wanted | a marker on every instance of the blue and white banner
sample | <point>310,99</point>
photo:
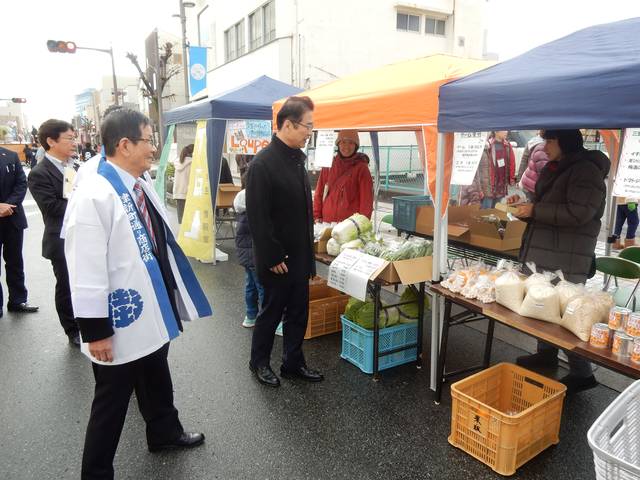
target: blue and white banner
<point>197,70</point>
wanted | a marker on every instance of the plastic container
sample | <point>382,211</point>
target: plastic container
<point>357,345</point>
<point>505,415</point>
<point>615,435</point>
<point>405,210</point>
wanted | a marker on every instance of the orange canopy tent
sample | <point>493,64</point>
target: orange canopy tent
<point>398,97</point>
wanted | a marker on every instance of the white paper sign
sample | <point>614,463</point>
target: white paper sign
<point>325,144</point>
<point>351,270</point>
<point>627,182</point>
<point>467,152</point>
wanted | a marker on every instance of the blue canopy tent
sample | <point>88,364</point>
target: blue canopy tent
<point>588,79</point>
<point>251,101</point>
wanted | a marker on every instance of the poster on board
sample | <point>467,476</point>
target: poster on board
<point>325,144</point>
<point>467,152</point>
<point>247,137</point>
<point>627,182</point>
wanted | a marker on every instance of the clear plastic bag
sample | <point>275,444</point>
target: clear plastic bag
<point>510,288</point>
<point>567,291</point>
<point>581,314</point>
<point>541,302</point>
<point>536,277</point>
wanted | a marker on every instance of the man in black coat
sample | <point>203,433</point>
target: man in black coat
<point>281,221</point>
<point>13,187</point>
<point>46,185</point>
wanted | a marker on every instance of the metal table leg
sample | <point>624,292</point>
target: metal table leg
<point>443,351</point>
<point>376,329</point>
<point>420,324</point>
<point>488,343</point>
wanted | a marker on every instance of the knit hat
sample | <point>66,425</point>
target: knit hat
<point>348,135</point>
<point>568,140</point>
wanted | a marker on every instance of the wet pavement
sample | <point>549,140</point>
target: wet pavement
<point>347,427</point>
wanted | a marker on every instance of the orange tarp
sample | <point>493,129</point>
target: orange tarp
<point>396,97</point>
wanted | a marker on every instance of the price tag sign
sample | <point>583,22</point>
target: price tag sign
<point>467,152</point>
<point>351,270</point>
<point>325,143</point>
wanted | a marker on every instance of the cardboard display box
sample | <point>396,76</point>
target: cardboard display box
<point>486,235</point>
<point>226,194</point>
<point>406,272</point>
<point>458,218</point>
<point>320,246</point>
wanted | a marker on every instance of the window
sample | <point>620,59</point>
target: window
<point>234,41</point>
<point>434,26</point>
<point>262,25</point>
<point>408,22</point>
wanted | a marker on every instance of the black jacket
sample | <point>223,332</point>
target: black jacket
<point>45,185</point>
<point>244,245</point>
<point>280,213</point>
<point>13,188</point>
<point>569,203</point>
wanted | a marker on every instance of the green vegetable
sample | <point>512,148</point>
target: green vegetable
<point>333,247</point>
<point>409,312</point>
<point>351,310</point>
<point>364,317</point>
<point>353,244</point>
<point>351,228</point>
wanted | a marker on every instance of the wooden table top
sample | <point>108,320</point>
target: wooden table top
<point>546,331</point>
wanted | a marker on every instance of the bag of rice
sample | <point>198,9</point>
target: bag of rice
<point>510,289</point>
<point>580,315</point>
<point>536,277</point>
<point>541,302</point>
<point>604,302</point>
<point>566,291</point>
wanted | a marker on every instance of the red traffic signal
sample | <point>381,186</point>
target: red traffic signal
<point>61,46</point>
<point>19,100</point>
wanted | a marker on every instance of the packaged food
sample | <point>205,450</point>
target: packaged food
<point>622,344</point>
<point>618,317</point>
<point>535,277</point>
<point>541,302</point>
<point>599,335</point>
<point>486,288</point>
<point>635,352</point>
<point>510,289</point>
<point>604,301</point>
<point>580,316</point>
<point>633,325</point>
<point>566,291</point>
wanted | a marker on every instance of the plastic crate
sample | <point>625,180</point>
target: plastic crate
<point>357,345</point>
<point>326,306</point>
<point>404,211</point>
<point>615,437</point>
<point>505,415</point>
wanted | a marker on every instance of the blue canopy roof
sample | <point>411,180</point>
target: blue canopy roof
<point>251,101</point>
<point>589,79</point>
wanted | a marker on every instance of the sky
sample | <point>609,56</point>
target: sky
<point>49,81</point>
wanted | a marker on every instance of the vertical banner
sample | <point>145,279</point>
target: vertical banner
<point>196,237</point>
<point>197,70</point>
<point>247,137</point>
<point>159,181</point>
<point>627,182</point>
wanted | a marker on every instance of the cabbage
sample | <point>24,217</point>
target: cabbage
<point>393,316</point>
<point>351,310</point>
<point>364,317</point>
<point>333,248</point>
<point>351,228</point>
<point>409,312</point>
<point>353,244</point>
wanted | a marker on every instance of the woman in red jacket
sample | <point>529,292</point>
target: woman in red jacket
<point>345,188</point>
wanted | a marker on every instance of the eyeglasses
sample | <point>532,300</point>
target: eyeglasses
<point>68,139</point>
<point>149,141</point>
<point>308,126</point>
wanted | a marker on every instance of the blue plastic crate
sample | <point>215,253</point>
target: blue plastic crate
<point>405,210</point>
<point>357,345</point>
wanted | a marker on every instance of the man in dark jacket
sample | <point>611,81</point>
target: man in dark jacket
<point>281,223</point>
<point>46,182</point>
<point>563,227</point>
<point>13,187</point>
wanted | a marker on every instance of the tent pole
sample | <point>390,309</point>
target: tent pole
<point>439,252</point>
<point>611,210</point>
<point>375,148</point>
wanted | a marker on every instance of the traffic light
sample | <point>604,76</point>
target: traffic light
<point>61,46</point>
<point>19,100</point>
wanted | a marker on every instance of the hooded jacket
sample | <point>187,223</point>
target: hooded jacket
<point>349,189</point>
<point>537,160</point>
<point>569,202</point>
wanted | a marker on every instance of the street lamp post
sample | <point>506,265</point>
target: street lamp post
<point>113,68</point>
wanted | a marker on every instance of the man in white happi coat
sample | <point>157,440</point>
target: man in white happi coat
<point>131,287</point>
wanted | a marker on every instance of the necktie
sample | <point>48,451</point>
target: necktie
<point>144,212</point>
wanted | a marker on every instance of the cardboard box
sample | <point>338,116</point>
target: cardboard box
<point>320,245</point>
<point>226,194</point>
<point>458,219</point>
<point>486,235</point>
<point>406,272</point>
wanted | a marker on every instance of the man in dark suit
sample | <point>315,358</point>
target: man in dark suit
<point>281,222</point>
<point>46,185</point>
<point>13,187</point>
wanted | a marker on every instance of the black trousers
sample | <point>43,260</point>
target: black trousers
<point>180,203</point>
<point>64,307</point>
<point>289,303</point>
<point>11,247</point>
<point>151,379</point>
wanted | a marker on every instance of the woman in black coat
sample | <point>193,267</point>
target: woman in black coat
<point>563,227</point>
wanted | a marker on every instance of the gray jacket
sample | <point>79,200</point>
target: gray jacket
<point>569,203</point>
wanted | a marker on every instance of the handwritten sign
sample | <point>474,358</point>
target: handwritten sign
<point>351,270</point>
<point>467,152</point>
<point>325,144</point>
<point>627,182</point>
<point>248,136</point>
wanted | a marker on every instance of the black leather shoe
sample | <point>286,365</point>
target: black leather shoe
<point>578,384</point>
<point>74,340</point>
<point>540,360</point>
<point>303,373</point>
<point>186,440</point>
<point>22,307</point>
<point>265,376</point>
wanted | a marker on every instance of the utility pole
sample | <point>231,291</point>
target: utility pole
<point>185,63</point>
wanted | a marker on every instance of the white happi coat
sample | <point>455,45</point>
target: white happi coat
<point>113,273</point>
